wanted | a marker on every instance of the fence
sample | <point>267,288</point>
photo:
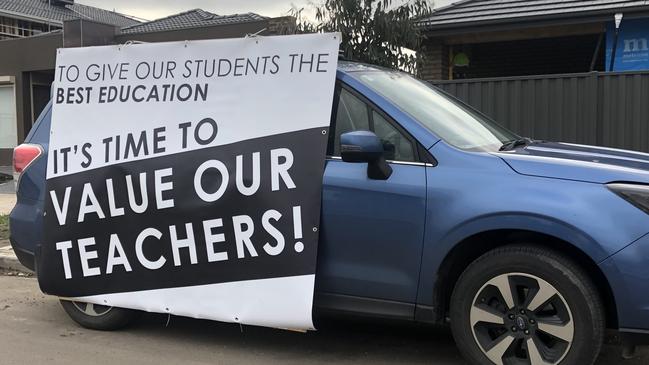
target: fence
<point>607,109</point>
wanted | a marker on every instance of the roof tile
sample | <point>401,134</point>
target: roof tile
<point>44,11</point>
<point>191,19</point>
<point>473,11</point>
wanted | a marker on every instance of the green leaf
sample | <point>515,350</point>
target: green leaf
<point>373,31</point>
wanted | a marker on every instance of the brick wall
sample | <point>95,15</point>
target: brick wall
<point>434,65</point>
<point>281,25</point>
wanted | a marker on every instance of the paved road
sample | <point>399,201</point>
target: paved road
<point>35,330</point>
<point>6,186</point>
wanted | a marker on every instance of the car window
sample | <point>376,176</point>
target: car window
<point>453,121</point>
<point>40,132</point>
<point>397,147</point>
<point>351,116</point>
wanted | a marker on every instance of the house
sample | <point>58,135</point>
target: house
<point>497,38</point>
<point>21,19</point>
<point>560,70</point>
<point>26,18</point>
<point>27,60</point>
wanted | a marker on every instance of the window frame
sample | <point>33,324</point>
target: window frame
<point>421,156</point>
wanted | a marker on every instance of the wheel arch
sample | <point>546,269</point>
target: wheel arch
<point>472,247</point>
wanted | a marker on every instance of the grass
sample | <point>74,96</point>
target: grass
<point>4,227</point>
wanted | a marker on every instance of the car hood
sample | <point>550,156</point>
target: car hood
<point>578,162</point>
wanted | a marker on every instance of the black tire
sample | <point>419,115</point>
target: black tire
<point>574,313</point>
<point>98,317</point>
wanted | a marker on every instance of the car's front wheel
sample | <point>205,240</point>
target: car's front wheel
<point>98,317</point>
<point>527,305</point>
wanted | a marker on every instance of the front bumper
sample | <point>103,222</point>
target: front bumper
<point>628,275</point>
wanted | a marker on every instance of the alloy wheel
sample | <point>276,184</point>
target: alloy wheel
<point>519,318</point>
<point>93,310</point>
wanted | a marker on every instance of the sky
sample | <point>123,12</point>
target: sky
<point>154,9</point>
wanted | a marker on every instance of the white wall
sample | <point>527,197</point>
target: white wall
<point>8,133</point>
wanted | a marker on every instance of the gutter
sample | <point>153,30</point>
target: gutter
<point>460,27</point>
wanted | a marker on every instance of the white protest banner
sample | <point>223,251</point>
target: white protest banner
<point>186,177</point>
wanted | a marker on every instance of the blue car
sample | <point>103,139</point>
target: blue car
<point>433,213</point>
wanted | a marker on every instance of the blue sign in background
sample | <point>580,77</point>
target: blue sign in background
<point>632,45</point>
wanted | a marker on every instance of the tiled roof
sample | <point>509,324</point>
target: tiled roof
<point>103,16</point>
<point>500,11</point>
<point>191,19</point>
<point>42,10</point>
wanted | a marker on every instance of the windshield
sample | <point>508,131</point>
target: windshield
<point>449,119</point>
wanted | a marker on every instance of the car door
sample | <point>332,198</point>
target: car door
<point>372,230</point>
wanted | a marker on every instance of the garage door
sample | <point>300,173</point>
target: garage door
<point>7,117</point>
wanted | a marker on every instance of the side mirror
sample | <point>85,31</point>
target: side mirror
<point>365,146</point>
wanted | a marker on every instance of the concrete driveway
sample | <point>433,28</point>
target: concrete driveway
<point>7,191</point>
<point>35,330</point>
<point>7,202</point>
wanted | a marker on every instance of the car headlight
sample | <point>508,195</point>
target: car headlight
<point>635,194</point>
